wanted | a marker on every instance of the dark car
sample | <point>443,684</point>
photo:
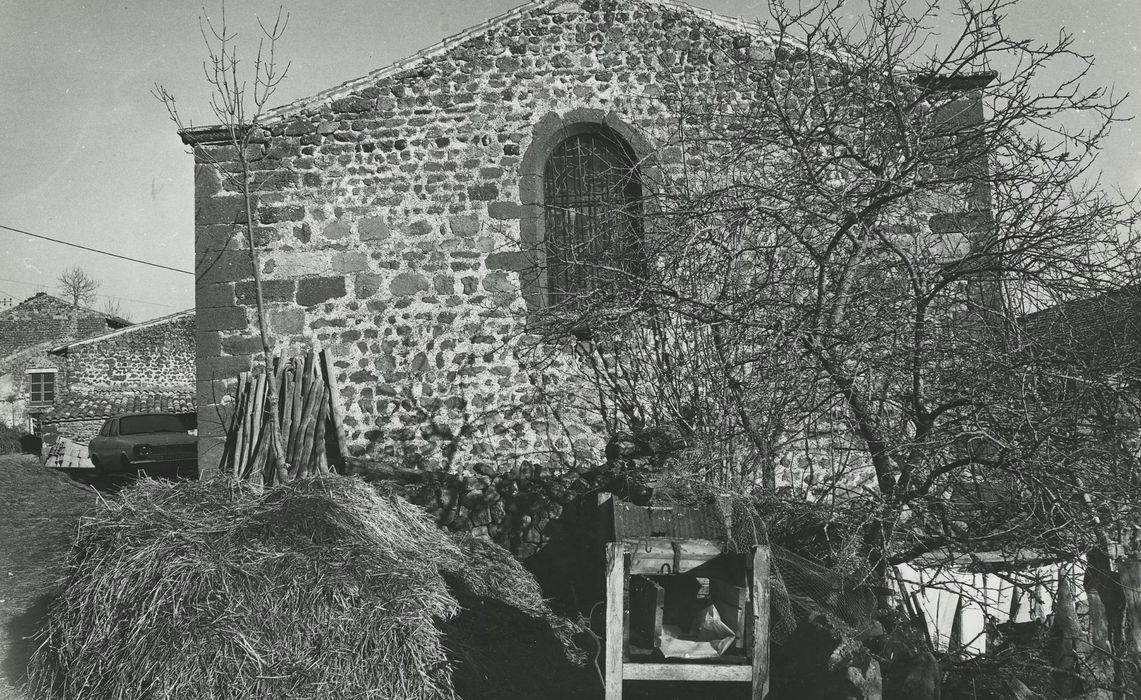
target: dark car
<point>140,441</point>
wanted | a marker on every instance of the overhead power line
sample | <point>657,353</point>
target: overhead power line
<point>105,296</point>
<point>96,250</point>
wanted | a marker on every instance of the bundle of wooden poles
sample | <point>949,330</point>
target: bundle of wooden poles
<point>309,415</point>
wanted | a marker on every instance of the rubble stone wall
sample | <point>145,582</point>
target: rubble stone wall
<point>15,403</point>
<point>160,354</point>
<point>398,218</point>
<point>394,221</point>
<point>80,431</point>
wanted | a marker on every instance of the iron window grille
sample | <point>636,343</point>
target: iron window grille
<point>592,216</point>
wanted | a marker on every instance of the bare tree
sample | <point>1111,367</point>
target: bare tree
<point>77,285</point>
<point>113,307</point>
<point>843,286</point>
<point>238,106</point>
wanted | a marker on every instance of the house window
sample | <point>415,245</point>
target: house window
<point>592,215</point>
<point>41,386</point>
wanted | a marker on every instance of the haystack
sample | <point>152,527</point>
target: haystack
<point>321,589</point>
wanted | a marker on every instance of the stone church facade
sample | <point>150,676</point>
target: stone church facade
<point>404,217</point>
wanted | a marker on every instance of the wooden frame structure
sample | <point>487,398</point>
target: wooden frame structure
<point>619,668</point>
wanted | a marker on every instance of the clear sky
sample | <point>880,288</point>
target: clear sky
<point>88,156</point>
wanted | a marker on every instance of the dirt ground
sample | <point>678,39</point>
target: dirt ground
<point>39,512</point>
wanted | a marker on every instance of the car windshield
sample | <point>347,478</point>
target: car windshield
<point>155,423</point>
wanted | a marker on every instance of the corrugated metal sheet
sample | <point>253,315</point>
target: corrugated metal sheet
<point>672,522</point>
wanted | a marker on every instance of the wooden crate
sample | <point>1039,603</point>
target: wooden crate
<point>647,608</point>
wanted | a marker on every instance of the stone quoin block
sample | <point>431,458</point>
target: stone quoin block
<point>223,367</point>
<point>245,293</point>
<point>208,344</point>
<point>208,295</point>
<point>222,319</point>
<point>224,266</point>
<point>219,209</point>
<point>315,290</point>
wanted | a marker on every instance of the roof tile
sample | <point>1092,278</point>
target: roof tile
<point>103,403</point>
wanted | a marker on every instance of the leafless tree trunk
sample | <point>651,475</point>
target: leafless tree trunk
<point>241,113</point>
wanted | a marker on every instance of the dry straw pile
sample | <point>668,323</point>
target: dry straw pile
<point>324,588</point>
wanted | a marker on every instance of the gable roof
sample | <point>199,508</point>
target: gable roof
<point>42,318</point>
<point>56,301</point>
<point>62,349</point>
<point>1103,330</point>
<point>408,64</point>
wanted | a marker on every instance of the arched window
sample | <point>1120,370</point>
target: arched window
<point>592,215</point>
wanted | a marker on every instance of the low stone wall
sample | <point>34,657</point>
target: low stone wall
<point>514,508</point>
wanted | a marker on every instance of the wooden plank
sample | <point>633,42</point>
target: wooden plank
<point>759,584</point>
<point>647,603</point>
<point>615,580</point>
<point>687,672</point>
<point>656,555</point>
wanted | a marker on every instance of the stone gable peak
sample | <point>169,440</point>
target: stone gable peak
<point>535,8</point>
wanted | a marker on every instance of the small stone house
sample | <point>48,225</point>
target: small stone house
<point>145,367</point>
<point>410,222</point>
<point>30,376</point>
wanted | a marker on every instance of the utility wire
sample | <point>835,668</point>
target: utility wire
<point>105,296</point>
<point>96,250</point>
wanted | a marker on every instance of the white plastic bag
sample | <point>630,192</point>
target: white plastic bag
<point>708,637</point>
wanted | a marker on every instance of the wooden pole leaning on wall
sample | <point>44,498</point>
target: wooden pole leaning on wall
<point>759,584</point>
<point>237,437</point>
<point>308,409</point>
<point>337,413</point>
<point>295,398</point>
